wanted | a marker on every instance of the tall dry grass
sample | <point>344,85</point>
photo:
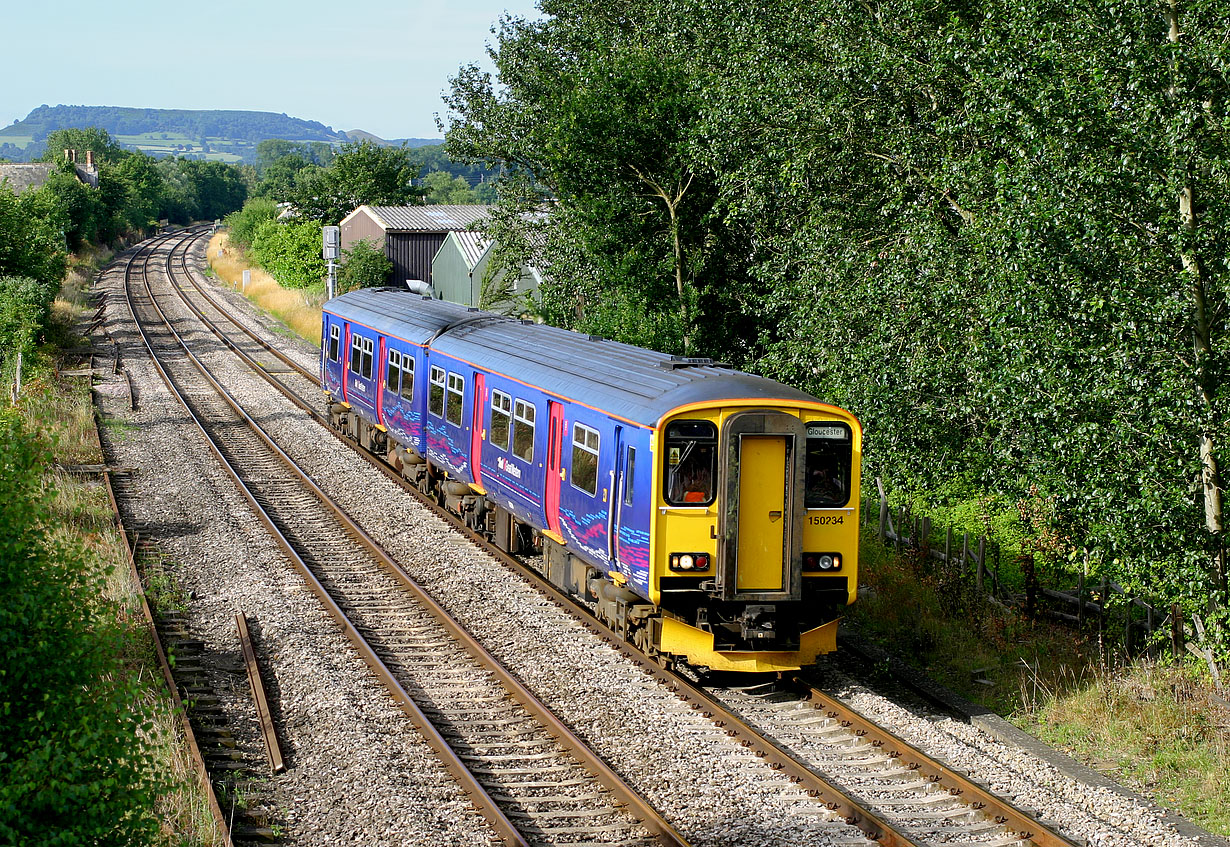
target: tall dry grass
<point>299,311</point>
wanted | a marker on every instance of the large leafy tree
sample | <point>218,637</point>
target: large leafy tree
<point>95,139</point>
<point>361,173</point>
<point>999,234</point>
<point>601,106</point>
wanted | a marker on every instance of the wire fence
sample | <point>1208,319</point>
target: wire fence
<point>1117,615</point>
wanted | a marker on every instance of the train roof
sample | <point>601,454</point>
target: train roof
<point>628,382</point>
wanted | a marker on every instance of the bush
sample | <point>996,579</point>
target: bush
<point>245,223</point>
<point>74,768</point>
<point>364,266</point>
<point>291,252</point>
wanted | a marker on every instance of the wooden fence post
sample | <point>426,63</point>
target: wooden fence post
<point>982,557</point>
<point>1176,630</point>
<point>1080,599</point>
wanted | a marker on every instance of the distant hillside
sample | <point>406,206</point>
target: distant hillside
<point>220,135</point>
<point>118,120</point>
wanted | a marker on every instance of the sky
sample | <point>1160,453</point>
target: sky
<point>381,66</point>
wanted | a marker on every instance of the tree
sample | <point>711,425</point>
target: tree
<point>361,173</point>
<point>364,265</point>
<point>998,235</point>
<point>602,107</point>
<point>99,141</point>
<point>31,243</point>
<point>443,188</point>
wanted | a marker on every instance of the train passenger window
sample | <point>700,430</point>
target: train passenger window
<point>435,402</point>
<point>501,419</point>
<point>829,456</point>
<point>456,398</point>
<point>691,463</point>
<point>361,355</point>
<point>523,430</point>
<point>407,376</point>
<point>335,343</point>
<point>585,458</point>
<point>629,476</point>
<point>392,377</point>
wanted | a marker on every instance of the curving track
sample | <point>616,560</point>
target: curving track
<point>527,773</point>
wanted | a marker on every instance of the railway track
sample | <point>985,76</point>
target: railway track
<point>533,780</point>
<point>894,793</point>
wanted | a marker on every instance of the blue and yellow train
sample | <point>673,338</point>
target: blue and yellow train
<point>710,515</point>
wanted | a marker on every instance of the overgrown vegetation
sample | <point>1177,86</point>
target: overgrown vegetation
<point>300,310</point>
<point>998,235</point>
<point>1159,727</point>
<point>91,752</point>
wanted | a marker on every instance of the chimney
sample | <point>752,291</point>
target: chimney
<point>68,155</point>
<point>89,158</point>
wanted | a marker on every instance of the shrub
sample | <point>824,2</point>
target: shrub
<point>364,266</point>
<point>291,252</point>
<point>74,768</point>
<point>245,223</point>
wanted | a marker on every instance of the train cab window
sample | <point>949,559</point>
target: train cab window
<point>456,399</point>
<point>335,343</point>
<point>691,463</point>
<point>361,355</point>
<point>407,376</point>
<point>630,476</point>
<point>392,376</point>
<point>585,459</point>
<point>501,419</point>
<point>435,400</point>
<point>829,455</point>
<point>523,430</point>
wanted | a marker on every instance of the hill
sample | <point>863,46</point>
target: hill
<point>221,135</point>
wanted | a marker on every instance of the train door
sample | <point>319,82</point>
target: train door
<point>477,431</point>
<point>555,470</point>
<point>762,513</point>
<point>378,375</point>
<point>615,504</point>
<point>346,366</point>
<point>761,523</point>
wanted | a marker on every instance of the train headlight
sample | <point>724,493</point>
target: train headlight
<point>822,562</point>
<point>687,562</point>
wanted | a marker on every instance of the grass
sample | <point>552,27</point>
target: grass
<point>299,311</point>
<point>1159,728</point>
<point>61,408</point>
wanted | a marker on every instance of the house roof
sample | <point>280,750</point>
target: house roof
<point>22,176</point>
<point>422,218</point>
<point>26,176</point>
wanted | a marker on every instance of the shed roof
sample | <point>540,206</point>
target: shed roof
<point>632,383</point>
<point>471,244</point>
<point>423,218</point>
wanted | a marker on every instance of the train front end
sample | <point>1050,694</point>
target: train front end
<point>755,533</point>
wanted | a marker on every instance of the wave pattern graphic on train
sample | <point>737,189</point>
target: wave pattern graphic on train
<point>711,516</point>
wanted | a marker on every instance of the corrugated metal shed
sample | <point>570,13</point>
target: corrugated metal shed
<point>411,235</point>
<point>632,383</point>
